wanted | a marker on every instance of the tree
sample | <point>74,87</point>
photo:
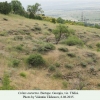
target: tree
<point>60,20</point>
<point>17,7</point>
<point>59,31</point>
<point>53,20</point>
<point>34,9</point>
<point>5,7</point>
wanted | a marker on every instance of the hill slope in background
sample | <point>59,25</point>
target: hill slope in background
<point>67,67</point>
<point>71,9</point>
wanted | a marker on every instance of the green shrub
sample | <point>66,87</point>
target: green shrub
<point>6,83</point>
<point>19,47</point>
<point>63,49</point>
<point>69,66</point>
<point>35,60</point>
<point>92,69</point>
<point>98,45</point>
<point>65,84</point>
<point>81,85</point>
<point>4,33</point>
<point>28,37</point>
<point>45,47</point>
<point>22,74</point>
<point>57,64</point>
<point>18,38</point>
<point>37,28</point>
<point>57,75</point>
<point>50,30</point>
<point>71,54</point>
<point>98,84</point>
<point>73,40</point>
<point>83,64</point>
<point>15,63</point>
<point>52,68</point>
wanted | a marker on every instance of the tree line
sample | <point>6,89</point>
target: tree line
<point>16,7</point>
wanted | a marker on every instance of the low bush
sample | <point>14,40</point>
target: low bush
<point>22,74</point>
<point>18,38</point>
<point>15,63</point>
<point>71,54</point>
<point>37,28</point>
<point>52,68</point>
<point>6,83</point>
<point>19,47</point>
<point>73,40</point>
<point>57,64</point>
<point>98,45</point>
<point>4,33</point>
<point>35,60</point>
<point>98,84</point>
<point>57,75</point>
<point>63,49</point>
<point>83,64</point>
<point>69,66</point>
<point>45,47</point>
<point>65,84</point>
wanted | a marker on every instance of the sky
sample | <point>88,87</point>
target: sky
<point>45,3</point>
<point>60,4</point>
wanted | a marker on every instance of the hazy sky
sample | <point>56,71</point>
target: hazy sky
<point>45,4</point>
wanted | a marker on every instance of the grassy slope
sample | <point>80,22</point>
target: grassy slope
<point>75,78</point>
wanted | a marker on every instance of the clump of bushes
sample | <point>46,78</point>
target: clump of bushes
<point>98,45</point>
<point>15,63</point>
<point>73,40</point>
<point>65,84</point>
<point>71,54</point>
<point>18,38</point>
<point>57,64</point>
<point>69,66</point>
<point>83,64</point>
<point>52,68</point>
<point>19,47</point>
<point>37,28</point>
<point>57,75</point>
<point>35,60</point>
<point>63,49</point>
<point>4,33</point>
<point>45,47</point>
<point>6,83</point>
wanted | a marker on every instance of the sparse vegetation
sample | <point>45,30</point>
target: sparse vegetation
<point>30,56</point>
<point>6,83</point>
<point>69,66</point>
<point>65,84</point>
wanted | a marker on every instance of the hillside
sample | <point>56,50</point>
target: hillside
<point>66,67</point>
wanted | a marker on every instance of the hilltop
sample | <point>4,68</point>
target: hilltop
<point>66,67</point>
